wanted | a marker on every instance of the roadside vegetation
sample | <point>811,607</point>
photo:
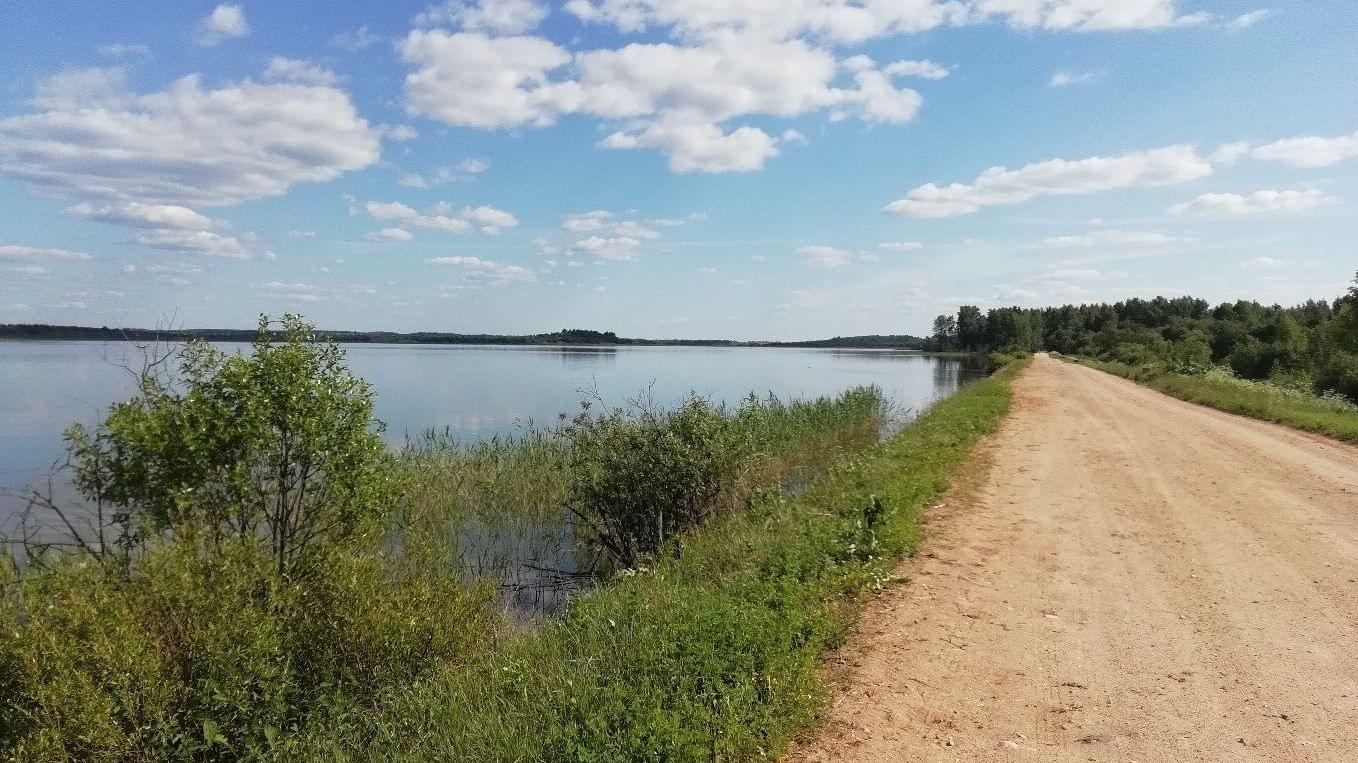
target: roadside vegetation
<point>1292,365</point>
<point>1217,387</point>
<point>255,576</point>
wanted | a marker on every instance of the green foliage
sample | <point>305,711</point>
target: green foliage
<point>1309,346</point>
<point>1283,403</point>
<point>280,443</point>
<point>639,476</point>
<point>209,653</point>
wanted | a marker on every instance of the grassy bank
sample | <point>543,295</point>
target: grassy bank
<point>382,632</point>
<point>711,655</point>
<point>1216,388</point>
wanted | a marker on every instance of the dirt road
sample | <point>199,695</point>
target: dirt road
<point>1137,578</point>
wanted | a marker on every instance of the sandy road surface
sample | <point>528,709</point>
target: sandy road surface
<point>1137,579</point>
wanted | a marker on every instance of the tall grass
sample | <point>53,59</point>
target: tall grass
<point>1219,388</point>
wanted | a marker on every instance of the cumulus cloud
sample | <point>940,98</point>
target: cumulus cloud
<point>825,256</point>
<point>1000,186</point>
<point>200,242</point>
<point>1309,152</point>
<point>444,217</point>
<point>20,252</point>
<point>186,145</point>
<point>611,248</point>
<point>137,215</point>
<point>1108,238</point>
<point>224,23</point>
<point>584,222</point>
<point>391,235</point>
<point>477,269</point>
<point>1257,203</point>
<point>676,97</point>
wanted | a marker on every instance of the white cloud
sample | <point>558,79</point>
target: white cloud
<point>390,210</point>
<point>700,147</point>
<point>412,180</point>
<point>900,246</point>
<point>294,70</point>
<point>202,242</point>
<point>1263,263</point>
<point>186,145</point>
<point>18,252</point>
<point>29,270</point>
<point>301,292</point>
<point>854,21</point>
<point>1309,152</point>
<point>611,248</point>
<point>137,215</point>
<point>491,220</point>
<point>1257,203</point>
<point>678,97</point>
<point>825,256</point>
<point>477,269</point>
<point>494,16</point>
<point>925,69</point>
<point>584,222</point>
<point>708,271</point>
<point>1064,78</point>
<point>224,23</point>
<point>999,186</point>
<point>1108,238</point>
<point>1248,19</point>
<point>391,235</point>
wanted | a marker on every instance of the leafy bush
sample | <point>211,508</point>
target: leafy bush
<point>280,443</point>
<point>997,360</point>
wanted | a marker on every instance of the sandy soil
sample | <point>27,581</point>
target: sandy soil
<point>1133,578</point>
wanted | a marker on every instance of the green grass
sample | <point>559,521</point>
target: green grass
<point>1333,417</point>
<point>710,655</point>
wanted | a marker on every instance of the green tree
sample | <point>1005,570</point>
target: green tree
<point>945,332</point>
<point>280,444</point>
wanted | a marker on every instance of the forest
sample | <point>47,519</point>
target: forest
<point>1312,346</point>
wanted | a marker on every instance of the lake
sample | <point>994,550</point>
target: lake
<point>474,392</point>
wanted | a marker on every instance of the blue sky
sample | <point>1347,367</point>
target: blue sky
<point>698,168</point>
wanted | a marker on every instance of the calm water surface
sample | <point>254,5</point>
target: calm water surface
<point>475,392</point>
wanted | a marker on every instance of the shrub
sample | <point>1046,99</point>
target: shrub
<point>638,477</point>
<point>280,443</point>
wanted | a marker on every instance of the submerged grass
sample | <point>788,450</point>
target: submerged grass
<point>1218,388</point>
<point>710,654</point>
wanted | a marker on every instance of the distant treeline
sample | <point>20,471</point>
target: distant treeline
<point>40,331</point>
<point>1312,346</point>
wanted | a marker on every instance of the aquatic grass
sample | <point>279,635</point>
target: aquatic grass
<point>1333,416</point>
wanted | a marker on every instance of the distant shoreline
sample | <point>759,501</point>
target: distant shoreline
<point>565,338</point>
